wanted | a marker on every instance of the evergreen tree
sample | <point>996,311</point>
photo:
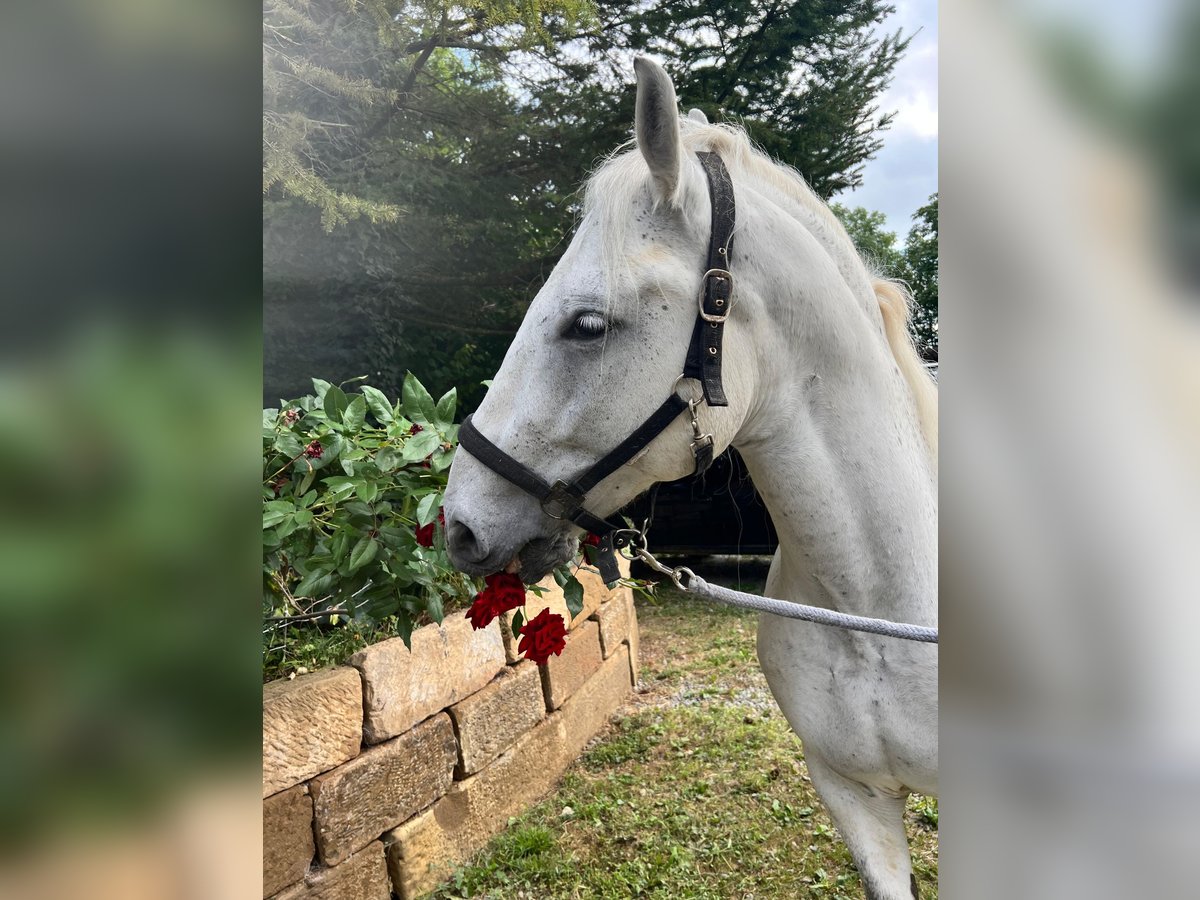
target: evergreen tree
<point>803,76</point>
<point>421,162</point>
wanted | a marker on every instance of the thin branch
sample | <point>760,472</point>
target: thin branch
<point>309,616</point>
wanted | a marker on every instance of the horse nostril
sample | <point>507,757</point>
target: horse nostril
<point>463,542</point>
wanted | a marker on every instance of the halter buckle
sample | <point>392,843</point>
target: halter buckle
<point>562,500</point>
<point>727,301</point>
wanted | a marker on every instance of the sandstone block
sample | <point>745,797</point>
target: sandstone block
<point>287,838</point>
<point>490,720</point>
<point>423,851</point>
<point>615,620</point>
<point>311,724</point>
<point>589,709</point>
<point>447,663</point>
<point>562,675</point>
<point>362,876</point>
<point>382,787</point>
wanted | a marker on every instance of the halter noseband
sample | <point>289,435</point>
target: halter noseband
<point>564,499</point>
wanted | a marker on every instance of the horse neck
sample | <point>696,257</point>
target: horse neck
<point>833,444</point>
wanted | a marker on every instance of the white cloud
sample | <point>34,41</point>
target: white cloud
<point>904,173</point>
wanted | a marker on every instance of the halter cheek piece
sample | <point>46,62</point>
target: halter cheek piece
<point>564,499</point>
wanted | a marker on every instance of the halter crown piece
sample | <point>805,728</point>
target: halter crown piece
<point>565,499</point>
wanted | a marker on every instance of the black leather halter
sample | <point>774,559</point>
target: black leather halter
<point>564,499</point>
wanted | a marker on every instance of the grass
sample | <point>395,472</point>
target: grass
<point>699,790</point>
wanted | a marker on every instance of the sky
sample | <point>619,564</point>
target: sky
<point>904,173</point>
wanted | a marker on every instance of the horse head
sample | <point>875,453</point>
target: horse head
<point>603,342</point>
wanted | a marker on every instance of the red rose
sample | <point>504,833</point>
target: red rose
<point>503,592</point>
<point>291,415</point>
<point>314,450</point>
<point>543,635</point>
<point>416,429</point>
<point>425,532</point>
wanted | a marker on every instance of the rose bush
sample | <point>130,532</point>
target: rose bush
<point>353,531</point>
<point>352,492</point>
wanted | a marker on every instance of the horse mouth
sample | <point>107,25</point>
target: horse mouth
<point>541,556</point>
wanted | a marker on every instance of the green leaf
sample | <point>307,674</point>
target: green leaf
<point>314,584</point>
<point>288,444</point>
<point>518,620</point>
<point>320,386</point>
<point>420,446</point>
<point>427,509</point>
<point>305,484</point>
<point>367,491</point>
<point>378,403</point>
<point>434,607</point>
<point>340,545</point>
<point>340,487</point>
<point>446,406</point>
<point>573,592</point>
<point>442,459</point>
<point>364,551</point>
<point>404,628</point>
<point>335,403</point>
<point>288,525</point>
<point>387,459</point>
<point>303,517</point>
<point>356,413</point>
<point>276,511</point>
<point>418,405</point>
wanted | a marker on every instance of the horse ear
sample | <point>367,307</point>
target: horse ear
<point>658,125</point>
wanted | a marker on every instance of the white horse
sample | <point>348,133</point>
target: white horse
<point>828,404</point>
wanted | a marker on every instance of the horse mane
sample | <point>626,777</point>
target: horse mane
<point>606,194</point>
<point>895,305</point>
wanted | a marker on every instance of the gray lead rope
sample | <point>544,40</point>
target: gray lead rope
<point>701,588</point>
<point>687,580</point>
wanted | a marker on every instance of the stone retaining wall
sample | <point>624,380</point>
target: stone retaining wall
<point>387,773</point>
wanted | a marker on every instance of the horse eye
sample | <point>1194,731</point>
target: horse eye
<point>589,325</point>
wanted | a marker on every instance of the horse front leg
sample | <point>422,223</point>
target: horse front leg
<point>871,823</point>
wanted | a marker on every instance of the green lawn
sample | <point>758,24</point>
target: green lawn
<point>698,791</point>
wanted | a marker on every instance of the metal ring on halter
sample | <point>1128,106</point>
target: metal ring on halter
<point>637,544</point>
<point>693,403</point>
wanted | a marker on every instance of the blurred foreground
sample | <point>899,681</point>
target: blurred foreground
<point>1070,457</point>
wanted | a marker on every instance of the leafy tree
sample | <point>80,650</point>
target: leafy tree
<point>920,271</point>
<point>916,265</point>
<point>875,243</point>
